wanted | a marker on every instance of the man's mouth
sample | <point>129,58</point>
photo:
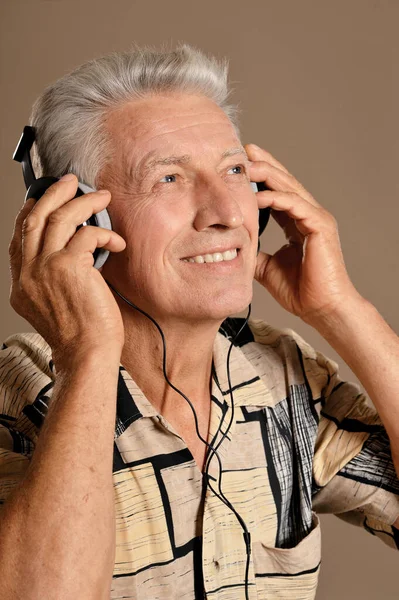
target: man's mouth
<point>227,255</point>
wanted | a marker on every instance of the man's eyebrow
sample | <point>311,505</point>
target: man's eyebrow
<point>179,160</point>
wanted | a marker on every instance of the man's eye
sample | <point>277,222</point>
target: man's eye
<point>242,170</point>
<point>172,178</point>
<point>168,177</point>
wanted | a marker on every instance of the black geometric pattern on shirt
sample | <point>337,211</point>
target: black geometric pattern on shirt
<point>353,425</point>
<point>297,574</point>
<point>126,408</point>
<point>7,419</point>
<point>260,417</point>
<point>373,464</point>
<point>222,427</point>
<point>21,444</point>
<point>290,438</point>
<point>322,400</point>
<point>231,326</point>
<point>235,387</point>
<point>160,462</point>
<point>195,546</point>
<point>37,411</point>
<point>308,388</point>
<point>291,429</point>
<point>199,590</point>
<point>236,586</point>
<point>239,385</point>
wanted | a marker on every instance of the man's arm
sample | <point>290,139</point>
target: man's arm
<point>57,528</point>
<point>370,348</point>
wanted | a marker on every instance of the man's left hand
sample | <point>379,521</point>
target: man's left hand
<point>307,276</point>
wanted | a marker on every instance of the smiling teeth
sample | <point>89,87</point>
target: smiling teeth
<point>216,257</point>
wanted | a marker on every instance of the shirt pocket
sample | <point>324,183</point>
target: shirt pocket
<point>289,572</point>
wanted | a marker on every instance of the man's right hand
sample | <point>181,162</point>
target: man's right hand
<point>55,286</point>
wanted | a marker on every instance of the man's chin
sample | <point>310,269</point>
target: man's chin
<point>218,307</point>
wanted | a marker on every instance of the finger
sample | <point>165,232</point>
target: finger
<point>255,153</point>
<point>34,225</point>
<point>279,181</point>
<point>308,218</point>
<point>288,225</point>
<point>290,183</point>
<point>62,223</point>
<point>14,248</point>
<point>89,237</point>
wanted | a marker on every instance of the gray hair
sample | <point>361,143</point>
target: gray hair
<point>69,114</point>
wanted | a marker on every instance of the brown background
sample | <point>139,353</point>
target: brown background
<point>315,81</point>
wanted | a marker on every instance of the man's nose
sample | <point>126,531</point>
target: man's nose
<point>217,207</point>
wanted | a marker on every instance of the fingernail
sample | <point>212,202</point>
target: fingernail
<point>67,177</point>
<point>103,192</point>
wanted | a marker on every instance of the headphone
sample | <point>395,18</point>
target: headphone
<point>35,189</point>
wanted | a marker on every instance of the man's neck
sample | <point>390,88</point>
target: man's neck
<point>189,352</point>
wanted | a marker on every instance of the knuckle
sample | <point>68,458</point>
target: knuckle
<point>57,217</point>
<point>30,222</point>
<point>58,262</point>
<point>54,261</point>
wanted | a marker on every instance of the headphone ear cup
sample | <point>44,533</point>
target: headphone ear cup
<point>100,219</point>
<point>39,186</point>
<point>264,213</point>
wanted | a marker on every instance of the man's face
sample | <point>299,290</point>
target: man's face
<point>180,190</point>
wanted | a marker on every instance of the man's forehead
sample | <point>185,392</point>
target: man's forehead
<point>153,112</point>
<point>178,131</point>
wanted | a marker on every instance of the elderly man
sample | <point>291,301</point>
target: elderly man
<point>128,472</point>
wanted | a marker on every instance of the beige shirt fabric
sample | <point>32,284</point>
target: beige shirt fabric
<point>302,441</point>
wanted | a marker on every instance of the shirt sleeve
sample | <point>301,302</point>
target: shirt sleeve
<point>353,472</point>
<point>26,382</point>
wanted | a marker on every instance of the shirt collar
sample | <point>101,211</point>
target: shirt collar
<point>247,386</point>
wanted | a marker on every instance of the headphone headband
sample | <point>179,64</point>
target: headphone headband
<point>22,154</point>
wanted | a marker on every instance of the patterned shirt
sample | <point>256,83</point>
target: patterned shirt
<point>302,441</point>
